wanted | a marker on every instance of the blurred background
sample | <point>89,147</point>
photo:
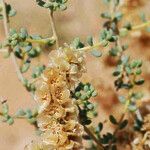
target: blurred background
<point>82,18</point>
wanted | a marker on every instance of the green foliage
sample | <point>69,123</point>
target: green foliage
<point>82,94</point>
<point>53,5</point>
<point>22,44</point>
<point>123,124</point>
<point>127,73</point>
<point>29,86</point>
<point>132,70</point>
<point>5,114</point>
<point>112,119</point>
<point>37,71</point>
<point>9,10</point>
<point>90,40</point>
<point>76,43</point>
<point>96,53</point>
<point>108,35</point>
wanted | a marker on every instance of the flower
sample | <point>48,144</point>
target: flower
<point>58,114</point>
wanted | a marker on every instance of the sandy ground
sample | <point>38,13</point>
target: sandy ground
<point>80,20</point>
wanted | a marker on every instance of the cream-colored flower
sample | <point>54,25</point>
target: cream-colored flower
<point>58,115</point>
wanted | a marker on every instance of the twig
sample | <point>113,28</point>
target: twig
<point>99,145</point>
<point>91,47</point>
<point>120,120</point>
<point>6,27</point>
<point>143,25</point>
<point>54,29</point>
<point>5,18</point>
<point>41,41</point>
<point>136,27</point>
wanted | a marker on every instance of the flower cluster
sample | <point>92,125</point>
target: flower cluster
<point>58,114</point>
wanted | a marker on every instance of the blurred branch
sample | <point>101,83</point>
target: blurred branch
<point>6,27</point>
<point>41,41</point>
<point>91,47</point>
<point>54,29</point>
<point>136,27</point>
<point>99,145</point>
<point>143,25</point>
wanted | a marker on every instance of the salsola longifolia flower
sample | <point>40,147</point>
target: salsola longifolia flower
<point>58,114</point>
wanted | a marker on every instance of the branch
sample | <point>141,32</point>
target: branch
<point>41,41</point>
<point>54,29</point>
<point>6,27</point>
<point>120,120</point>
<point>91,47</point>
<point>99,145</point>
<point>137,27</point>
<point>143,25</point>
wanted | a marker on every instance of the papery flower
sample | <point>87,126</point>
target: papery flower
<point>58,114</point>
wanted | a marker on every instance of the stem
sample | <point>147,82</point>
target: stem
<point>143,25</point>
<point>91,47</point>
<point>117,129</point>
<point>41,41</point>
<point>99,145</point>
<point>54,29</point>
<point>120,120</point>
<point>137,27</point>
<point>6,27</point>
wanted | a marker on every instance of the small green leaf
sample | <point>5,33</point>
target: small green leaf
<point>125,59</point>
<point>132,108</point>
<point>12,12</point>
<point>138,71</point>
<point>114,51</point>
<point>106,15</point>
<point>90,106</point>
<point>28,48</point>
<point>140,82</point>
<point>96,53</point>
<point>24,32</point>
<point>63,7</point>
<point>25,67</point>
<point>128,70</point>
<point>137,95</point>
<point>32,120</point>
<point>116,73</point>
<point>10,120</point>
<point>123,32</point>
<point>118,16</point>
<point>94,94</point>
<point>113,120</point>
<point>77,43</point>
<point>28,113</point>
<point>123,124</point>
<point>40,3</point>
<point>20,112</point>
<point>122,99</point>
<point>90,40</point>
<point>83,97</point>
<point>5,109</point>
<point>86,122</point>
<point>86,88</point>
<point>100,126</point>
<point>143,17</point>
<point>36,37</point>
<point>32,53</point>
